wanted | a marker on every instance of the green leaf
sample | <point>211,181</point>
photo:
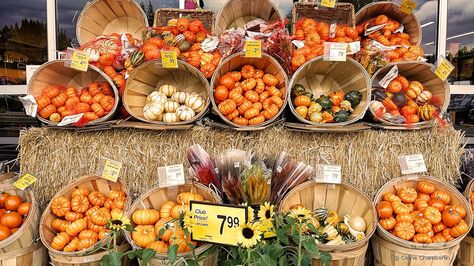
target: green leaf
<point>172,251</point>
<point>191,262</point>
<point>310,245</point>
<point>115,259</point>
<point>160,233</point>
<point>146,255</point>
<point>313,229</point>
<point>234,252</point>
<point>104,261</point>
<point>208,251</point>
<point>282,237</point>
<point>306,259</point>
<point>283,261</point>
<point>265,259</point>
<point>325,257</point>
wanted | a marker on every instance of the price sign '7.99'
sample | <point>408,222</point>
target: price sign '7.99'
<point>217,223</point>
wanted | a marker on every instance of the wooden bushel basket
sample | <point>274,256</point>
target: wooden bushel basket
<point>151,75</point>
<point>345,199</point>
<point>341,14</point>
<point>163,15</point>
<point>34,255</point>
<point>87,260</point>
<point>392,10</point>
<point>420,72</point>
<point>322,77</point>
<point>28,232</point>
<point>56,73</point>
<point>412,181</point>
<point>235,62</point>
<point>92,183</point>
<point>154,199</point>
<point>465,255</point>
<point>236,13</point>
<point>102,17</point>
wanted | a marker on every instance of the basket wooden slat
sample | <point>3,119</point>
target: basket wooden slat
<point>420,72</point>
<point>92,183</point>
<point>28,232</point>
<point>151,75</point>
<point>322,77</point>
<point>392,10</point>
<point>235,62</point>
<point>341,14</point>
<point>162,15</point>
<point>87,260</point>
<point>34,254</point>
<point>102,17</point>
<point>56,73</point>
<point>155,198</point>
<point>236,13</point>
<point>412,181</point>
<point>343,198</point>
<point>465,255</point>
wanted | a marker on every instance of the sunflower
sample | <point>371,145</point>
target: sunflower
<point>118,222</point>
<point>265,212</point>
<point>250,212</point>
<point>248,235</point>
<point>188,220</point>
<point>301,214</point>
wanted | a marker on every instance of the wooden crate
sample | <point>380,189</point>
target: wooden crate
<point>34,255</point>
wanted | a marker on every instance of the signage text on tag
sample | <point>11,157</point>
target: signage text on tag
<point>391,75</point>
<point>327,173</point>
<point>253,48</point>
<point>412,164</point>
<point>169,59</point>
<point>25,181</point>
<point>171,175</point>
<point>111,169</point>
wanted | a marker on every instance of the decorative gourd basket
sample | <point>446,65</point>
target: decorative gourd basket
<point>149,76</point>
<point>34,254</point>
<point>163,15</point>
<point>235,62</point>
<point>392,10</point>
<point>155,198</point>
<point>55,73</point>
<point>340,198</point>
<point>412,181</point>
<point>87,260</point>
<point>322,77</point>
<point>92,183</point>
<point>465,256</point>
<point>237,13</point>
<point>341,14</point>
<point>27,234</point>
<point>420,72</point>
<point>103,17</point>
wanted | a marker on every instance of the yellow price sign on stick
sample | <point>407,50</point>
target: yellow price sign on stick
<point>217,223</point>
<point>328,3</point>
<point>407,6</point>
<point>253,48</point>
<point>80,60</point>
<point>443,68</point>
<point>169,59</point>
<point>111,170</point>
<point>25,181</point>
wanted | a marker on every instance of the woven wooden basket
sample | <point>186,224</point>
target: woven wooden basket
<point>465,256</point>
<point>87,260</point>
<point>28,232</point>
<point>102,17</point>
<point>151,75</point>
<point>411,181</point>
<point>322,77</point>
<point>235,62</point>
<point>35,254</point>
<point>154,199</point>
<point>56,73</point>
<point>92,183</point>
<point>420,72</point>
<point>162,15</point>
<point>342,14</point>
<point>236,13</point>
<point>392,10</point>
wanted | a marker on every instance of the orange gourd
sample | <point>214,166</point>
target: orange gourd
<point>384,209</point>
<point>176,210</point>
<point>438,238</point>
<point>76,227</point>
<point>186,197</point>
<point>51,91</point>
<point>404,230</point>
<point>388,223</point>
<point>250,113</point>
<point>236,75</point>
<point>407,194</point>
<point>165,210</point>
<point>60,240</point>
<point>274,91</point>
<point>423,196</point>
<point>71,92</point>
<point>390,197</point>
<point>12,202</point>
<point>425,187</point>
<point>60,205</point>
<point>59,100</point>
<point>96,198</point>
<point>86,243</point>
<point>71,246</point>
<point>94,227</point>
<point>226,107</point>
<point>244,107</point>
<point>72,216</point>
<point>85,234</point>
<point>42,101</point>
<point>432,214</point>
<point>451,217</point>
<point>439,227</point>
<point>460,209</point>
<point>422,238</point>
<point>270,112</point>
<point>438,204</point>
<point>247,71</point>
<point>405,217</point>
<point>79,191</point>
<point>59,225</point>
<point>270,80</point>
<point>259,86</point>
<point>241,121</point>
<point>236,96</point>
<point>258,106</point>
<point>107,102</point>
<point>221,93</point>
<point>258,74</point>
<point>446,234</point>
<point>107,89</point>
<point>161,224</point>
<point>97,109</point>
<point>257,120</point>
<point>399,208</point>
<point>302,100</point>
<point>90,116</point>
<point>116,194</point>
<point>98,97</point>
<point>460,229</point>
<point>248,84</point>
<point>252,96</point>
<point>11,219</point>
<point>232,115</point>
<point>159,247</point>
<point>227,81</point>
<point>422,225</point>
<point>71,102</point>
<point>145,216</point>
<point>441,195</point>
<point>420,204</point>
<point>47,111</point>
<point>83,107</point>
<point>80,204</point>
<point>264,95</point>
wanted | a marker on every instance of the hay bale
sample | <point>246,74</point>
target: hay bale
<point>368,158</point>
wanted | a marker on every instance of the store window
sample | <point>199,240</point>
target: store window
<point>460,41</point>
<point>23,39</point>
<point>427,14</point>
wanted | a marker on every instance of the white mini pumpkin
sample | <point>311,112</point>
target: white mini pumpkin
<point>167,89</point>
<point>195,102</point>
<point>171,106</point>
<point>170,118</point>
<point>185,113</point>
<point>153,110</point>
<point>94,54</point>
<point>156,96</point>
<point>179,96</point>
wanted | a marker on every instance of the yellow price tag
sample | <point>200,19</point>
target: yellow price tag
<point>328,3</point>
<point>217,223</point>
<point>80,60</point>
<point>443,69</point>
<point>253,48</point>
<point>408,6</point>
<point>169,59</point>
<point>111,170</point>
<point>25,181</point>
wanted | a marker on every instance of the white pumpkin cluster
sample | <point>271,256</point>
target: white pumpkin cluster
<point>169,105</point>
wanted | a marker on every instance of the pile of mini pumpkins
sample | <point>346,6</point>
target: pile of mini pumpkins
<point>57,102</point>
<point>13,212</point>
<point>249,96</point>
<point>404,102</point>
<point>422,214</point>
<point>169,105</point>
<point>149,223</point>
<point>336,107</point>
<point>81,219</point>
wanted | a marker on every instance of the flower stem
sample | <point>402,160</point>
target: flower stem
<point>299,246</point>
<point>248,257</point>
